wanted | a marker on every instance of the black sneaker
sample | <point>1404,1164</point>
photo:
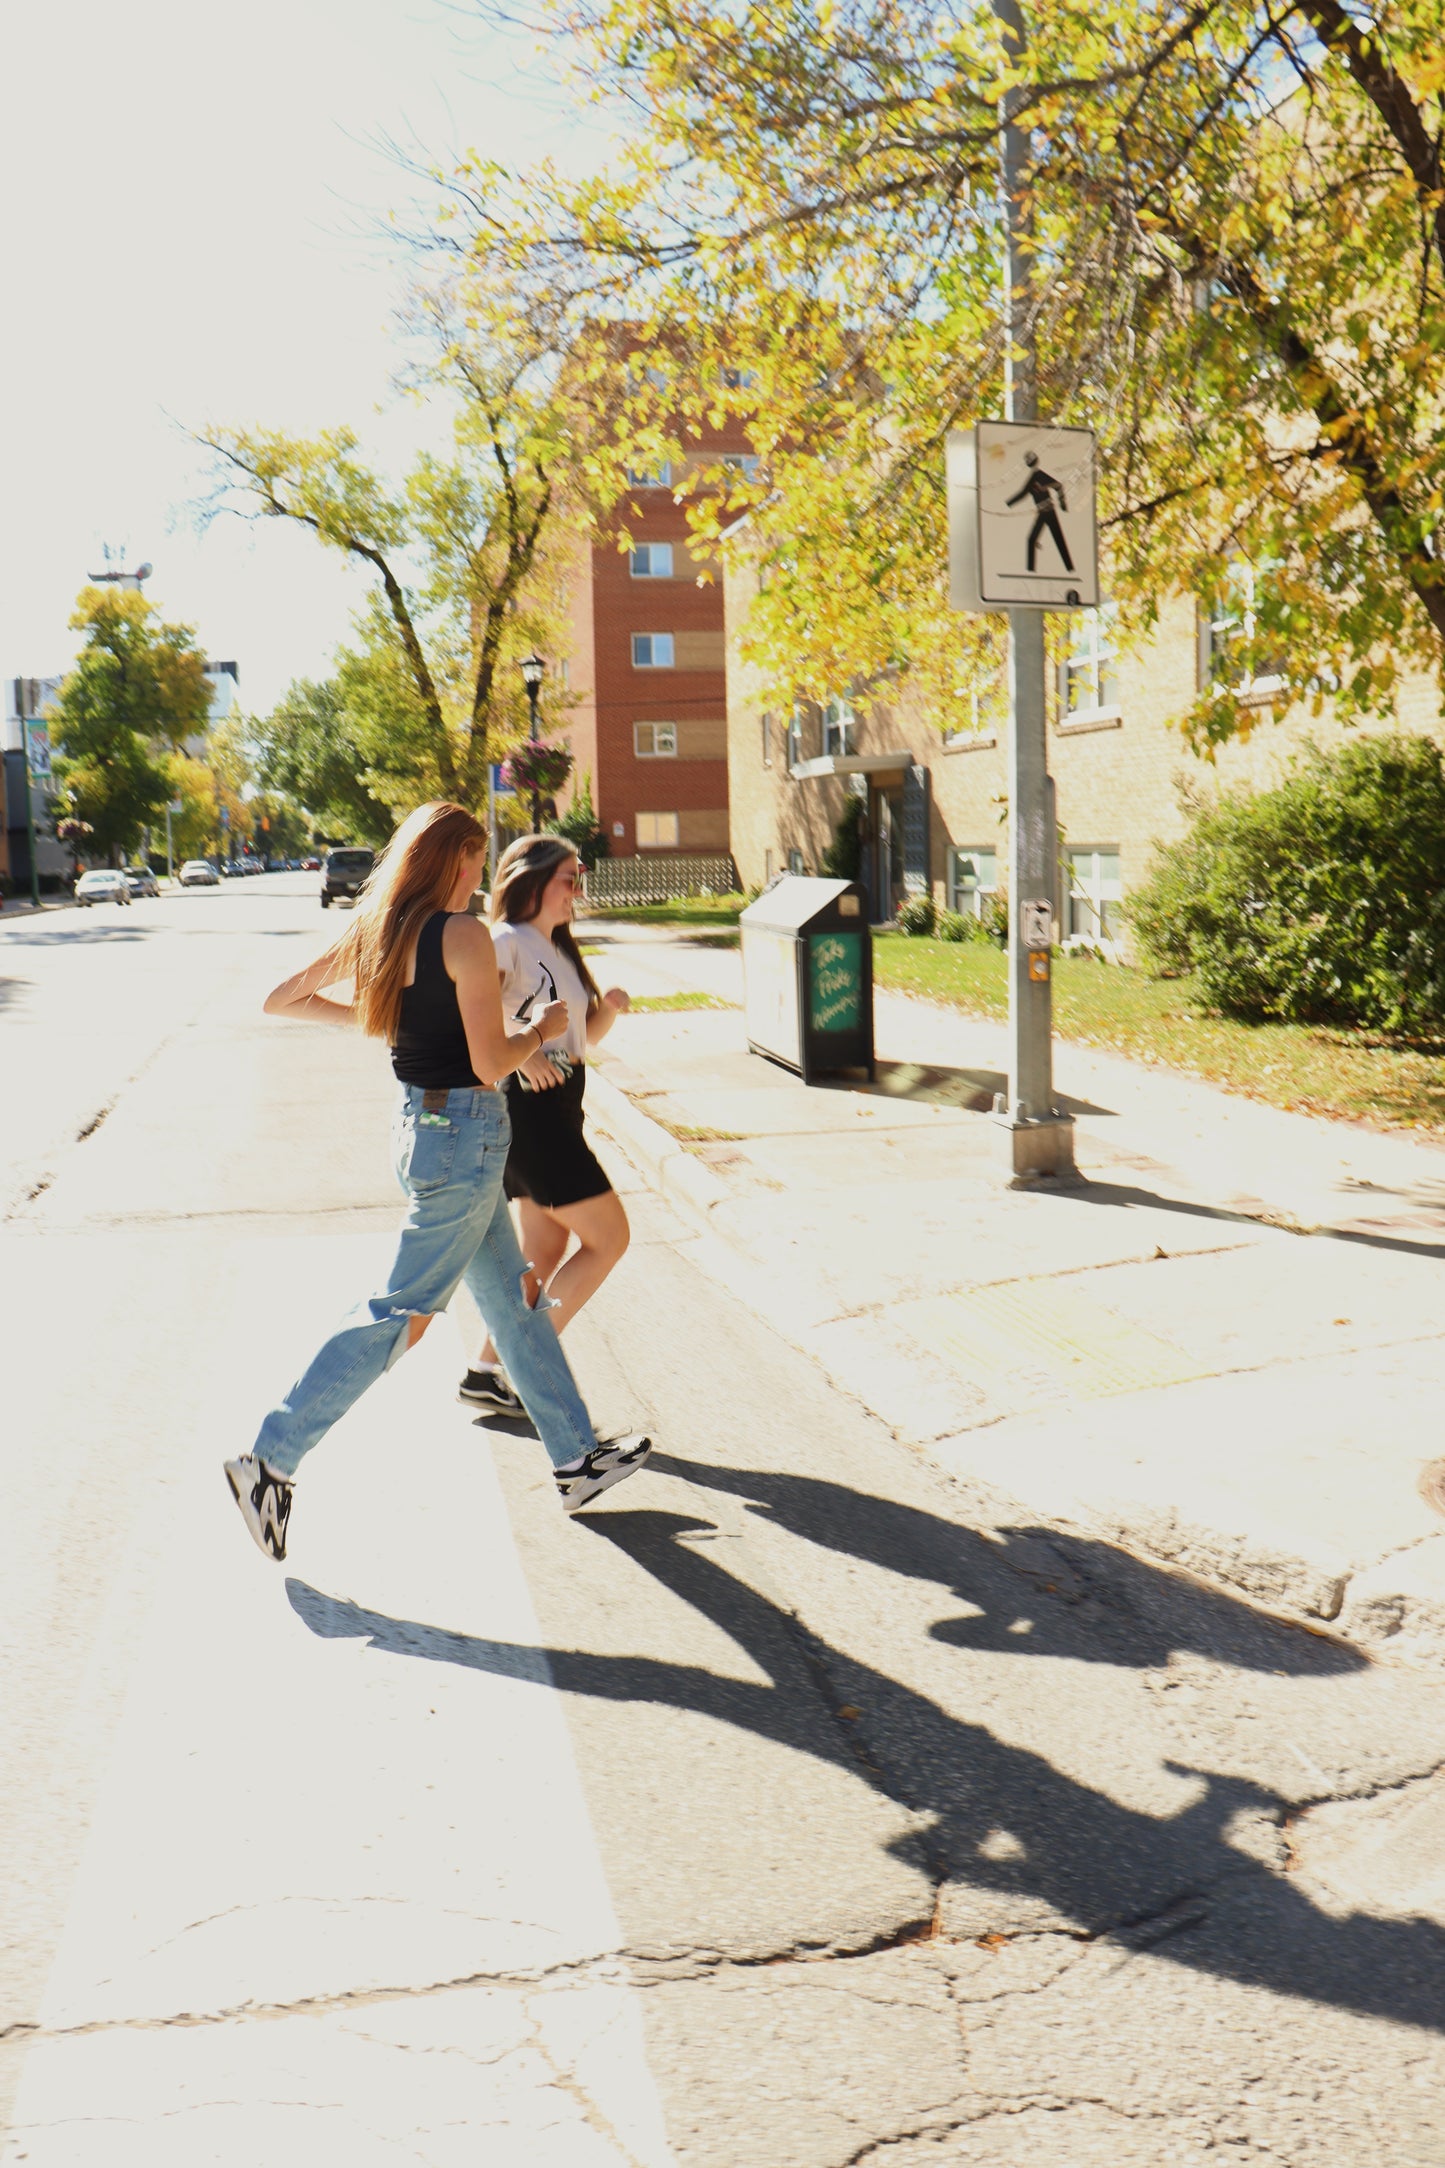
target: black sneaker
<point>489,1389</point>
<point>265,1501</point>
<point>611,1461</point>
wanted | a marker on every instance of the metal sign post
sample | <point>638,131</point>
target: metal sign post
<point>1023,537</point>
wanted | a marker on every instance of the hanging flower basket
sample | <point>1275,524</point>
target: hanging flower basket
<point>536,767</point>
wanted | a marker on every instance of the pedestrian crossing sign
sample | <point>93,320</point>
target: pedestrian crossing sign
<point>1023,521</point>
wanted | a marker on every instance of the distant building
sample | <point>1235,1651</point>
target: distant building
<point>648,669</point>
<point>225,683</point>
<point>929,787</point>
<point>27,698</point>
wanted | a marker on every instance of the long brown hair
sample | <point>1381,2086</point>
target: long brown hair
<point>523,871</point>
<point>413,878</point>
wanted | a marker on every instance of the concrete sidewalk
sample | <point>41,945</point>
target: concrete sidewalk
<point>1222,1350</point>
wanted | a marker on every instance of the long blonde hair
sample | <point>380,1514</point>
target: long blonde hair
<point>523,871</point>
<point>413,878</point>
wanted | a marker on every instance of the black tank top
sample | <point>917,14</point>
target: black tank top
<point>431,1045</point>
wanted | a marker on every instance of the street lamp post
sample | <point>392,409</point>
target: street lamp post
<point>533,671</point>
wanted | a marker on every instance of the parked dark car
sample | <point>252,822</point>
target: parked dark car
<point>141,881</point>
<point>345,873</point>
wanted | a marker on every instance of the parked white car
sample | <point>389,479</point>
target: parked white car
<point>100,885</point>
<point>199,873</point>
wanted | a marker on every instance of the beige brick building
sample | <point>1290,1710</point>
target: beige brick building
<point>936,796</point>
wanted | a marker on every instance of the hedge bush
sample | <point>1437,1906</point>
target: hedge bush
<point>1321,901</point>
<point>917,915</point>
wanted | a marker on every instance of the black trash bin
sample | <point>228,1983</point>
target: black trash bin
<point>808,976</point>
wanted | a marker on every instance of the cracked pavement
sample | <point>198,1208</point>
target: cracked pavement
<point>787,1812</point>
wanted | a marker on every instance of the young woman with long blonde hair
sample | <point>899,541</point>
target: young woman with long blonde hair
<point>560,1189</point>
<point>424,975</point>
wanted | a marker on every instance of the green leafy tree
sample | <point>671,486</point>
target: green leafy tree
<point>315,748</point>
<point>461,552</point>
<point>580,825</point>
<point>138,687</point>
<point>280,828</point>
<point>194,828</point>
<point>1237,213</point>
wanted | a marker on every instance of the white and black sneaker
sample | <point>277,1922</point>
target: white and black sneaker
<point>489,1389</point>
<point>265,1501</point>
<point>610,1461</point>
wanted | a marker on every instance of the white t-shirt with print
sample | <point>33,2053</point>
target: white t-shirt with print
<point>532,970</point>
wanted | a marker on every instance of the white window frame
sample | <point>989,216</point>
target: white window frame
<point>971,894</point>
<point>744,463</point>
<point>648,839</point>
<point>658,477</point>
<point>987,703</point>
<point>654,741</point>
<point>840,729</point>
<point>653,660</point>
<point>1090,891</point>
<point>795,738</point>
<point>1088,669</point>
<point>1221,621</point>
<point>651,561</point>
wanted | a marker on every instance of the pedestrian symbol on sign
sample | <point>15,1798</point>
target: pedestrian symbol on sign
<point>1044,490</point>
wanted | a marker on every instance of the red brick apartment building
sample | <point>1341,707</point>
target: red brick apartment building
<point>648,675</point>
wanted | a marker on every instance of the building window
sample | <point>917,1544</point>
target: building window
<point>745,463</point>
<point>795,738</point>
<point>652,561</point>
<point>972,881</point>
<point>1227,631</point>
<point>657,831</point>
<point>767,741</point>
<point>652,651</point>
<point>1094,893</point>
<point>795,861</point>
<point>840,729</point>
<point>1088,675</point>
<point>985,708</point>
<point>738,379</point>
<point>658,477</point>
<point>655,741</point>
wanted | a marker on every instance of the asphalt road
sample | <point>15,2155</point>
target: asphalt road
<point>781,1814</point>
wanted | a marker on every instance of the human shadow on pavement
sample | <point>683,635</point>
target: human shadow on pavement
<point>1111,1608</point>
<point>1032,1846</point>
<point>1126,1196</point>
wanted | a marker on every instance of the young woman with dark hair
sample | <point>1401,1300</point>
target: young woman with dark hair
<point>561,1190</point>
<point>425,979</point>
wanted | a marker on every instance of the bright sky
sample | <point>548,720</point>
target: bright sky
<point>193,196</point>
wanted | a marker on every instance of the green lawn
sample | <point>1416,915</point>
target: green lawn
<point>645,1004</point>
<point>1356,1075</point>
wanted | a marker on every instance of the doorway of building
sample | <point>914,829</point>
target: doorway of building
<point>885,853</point>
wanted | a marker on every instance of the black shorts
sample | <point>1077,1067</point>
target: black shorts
<point>551,1161</point>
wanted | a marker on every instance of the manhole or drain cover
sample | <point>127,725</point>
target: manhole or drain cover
<point>1432,1484</point>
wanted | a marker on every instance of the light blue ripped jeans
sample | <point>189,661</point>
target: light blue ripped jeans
<point>449,1160</point>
